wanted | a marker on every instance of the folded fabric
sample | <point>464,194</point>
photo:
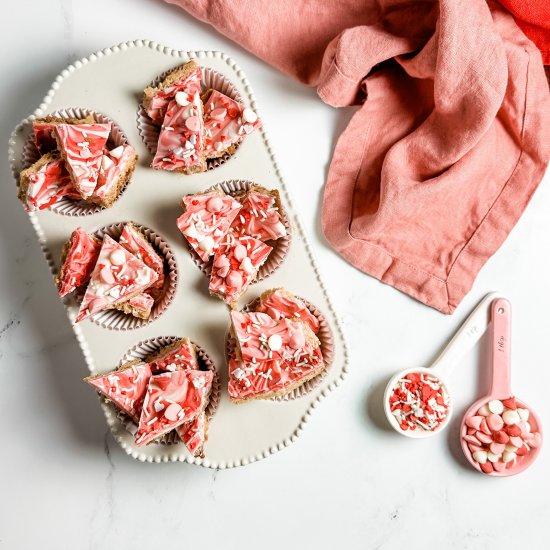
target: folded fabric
<point>451,140</point>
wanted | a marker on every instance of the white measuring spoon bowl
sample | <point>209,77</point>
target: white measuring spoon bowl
<point>465,338</point>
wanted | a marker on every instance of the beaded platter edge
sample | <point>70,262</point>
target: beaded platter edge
<point>110,416</point>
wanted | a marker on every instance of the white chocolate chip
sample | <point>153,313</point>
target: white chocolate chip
<point>250,116</point>
<point>280,229</point>
<point>207,244</point>
<point>275,342</point>
<point>484,411</point>
<point>496,406</point>
<point>117,257</point>
<point>198,382</point>
<point>508,456</point>
<point>181,99</point>
<point>524,414</point>
<point>115,292</point>
<point>492,457</point>
<point>246,265</point>
<point>480,457</point>
<point>106,162</point>
<point>191,232</point>
<point>117,152</point>
<point>511,417</point>
<point>238,373</point>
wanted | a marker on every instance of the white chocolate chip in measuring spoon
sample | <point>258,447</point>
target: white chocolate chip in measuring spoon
<point>510,417</point>
<point>496,406</point>
<point>484,411</point>
<point>481,456</point>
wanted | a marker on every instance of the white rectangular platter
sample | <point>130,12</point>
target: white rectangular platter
<point>110,81</point>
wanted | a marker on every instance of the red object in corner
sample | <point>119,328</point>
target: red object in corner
<point>533,18</point>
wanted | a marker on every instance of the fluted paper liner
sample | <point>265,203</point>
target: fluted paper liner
<point>65,205</point>
<point>327,349</point>
<point>211,79</point>
<point>118,320</point>
<point>146,349</point>
<point>280,246</point>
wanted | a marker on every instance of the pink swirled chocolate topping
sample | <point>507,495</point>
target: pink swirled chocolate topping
<point>206,220</point>
<point>81,146</point>
<point>279,303</point>
<point>44,183</point>
<point>133,240</point>
<point>182,356</point>
<point>194,434</point>
<point>157,104</point>
<point>181,139</point>
<point>172,398</point>
<point>260,216</point>
<point>114,164</point>
<point>235,266</point>
<point>80,257</point>
<point>179,356</point>
<point>226,123</point>
<point>273,356</point>
<point>125,387</point>
<point>44,130</point>
<point>117,276</point>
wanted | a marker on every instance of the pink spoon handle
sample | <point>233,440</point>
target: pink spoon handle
<point>501,314</point>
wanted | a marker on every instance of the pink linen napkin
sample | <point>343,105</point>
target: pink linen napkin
<point>451,140</point>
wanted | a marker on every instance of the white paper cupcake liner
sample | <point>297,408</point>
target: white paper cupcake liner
<point>327,349</point>
<point>114,319</point>
<point>146,349</point>
<point>280,246</point>
<point>211,79</point>
<point>65,205</point>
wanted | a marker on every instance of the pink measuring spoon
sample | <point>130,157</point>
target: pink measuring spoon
<point>500,435</point>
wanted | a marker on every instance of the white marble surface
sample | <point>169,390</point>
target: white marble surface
<point>348,482</point>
